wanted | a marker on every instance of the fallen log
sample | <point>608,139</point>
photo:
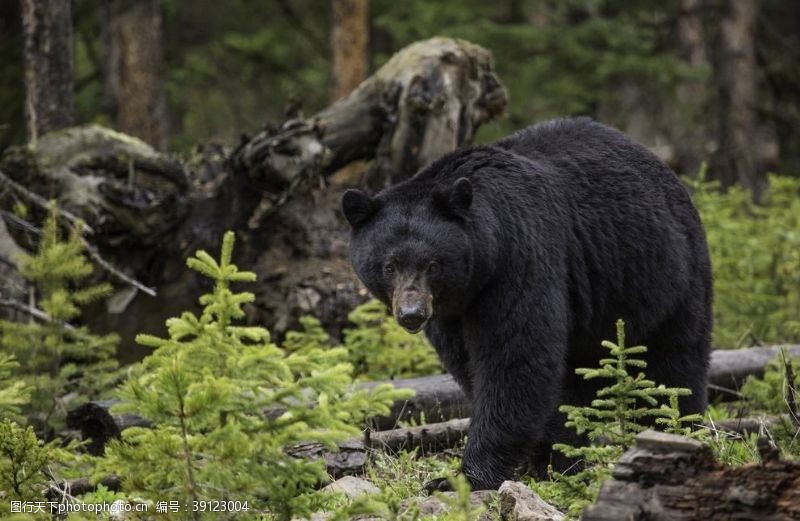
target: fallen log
<point>730,367</point>
<point>433,437</point>
<point>436,399</point>
<point>350,458</point>
<point>750,425</point>
<point>149,211</point>
<point>439,399</point>
<point>665,476</point>
<point>439,437</point>
<point>403,110</point>
<point>353,454</point>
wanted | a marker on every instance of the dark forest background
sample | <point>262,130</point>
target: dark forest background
<point>696,80</point>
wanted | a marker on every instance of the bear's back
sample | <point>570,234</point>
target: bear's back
<point>579,145</point>
<point>635,231</point>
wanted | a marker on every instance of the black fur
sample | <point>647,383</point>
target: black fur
<point>552,235</point>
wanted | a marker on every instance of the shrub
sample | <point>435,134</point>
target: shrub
<point>770,393</point>
<point>755,252</point>
<point>62,364</point>
<point>622,409</point>
<point>14,393</point>
<point>27,465</point>
<point>227,402</point>
<point>380,349</point>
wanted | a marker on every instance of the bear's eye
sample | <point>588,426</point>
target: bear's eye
<point>433,268</point>
<point>388,268</point>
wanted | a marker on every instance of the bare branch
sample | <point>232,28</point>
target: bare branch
<point>91,250</point>
<point>93,253</point>
<point>29,310</point>
<point>40,201</point>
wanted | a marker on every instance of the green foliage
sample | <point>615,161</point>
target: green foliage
<point>576,53</point>
<point>227,402</point>
<point>401,477</point>
<point>27,464</point>
<point>102,494</point>
<point>25,460</point>
<point>755,252</point>
<point>380,349</point>
<point>735,449</point>
<point>775,394</point>
<point>621,410</point>
<point>62,364</point>
<point>770,393</point>
<point>670,416</point>
<point>14,393</point>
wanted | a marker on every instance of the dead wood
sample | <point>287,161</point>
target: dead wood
<point>439,399</point>
<point>404,116</point>
<point>352,455</point>
<point>749,425</point>
<point>64,490</point>
<point>148,211</point>
<point>665,476</point>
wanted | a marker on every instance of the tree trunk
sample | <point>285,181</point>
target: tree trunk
<point>134,68</point>
<point>689,127</point>
<point>349,44</point>
<point>49,105</point>
<point>735,75</point>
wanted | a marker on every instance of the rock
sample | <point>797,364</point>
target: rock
<point>352,487</point>
<point>428,506</point>
<point>519,503</point>
<point>434,506</point>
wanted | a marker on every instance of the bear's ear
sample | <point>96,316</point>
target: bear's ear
<point>456,199</point>
<point>357,207</point>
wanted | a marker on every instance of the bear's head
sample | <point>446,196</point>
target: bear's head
<point>411,247</point>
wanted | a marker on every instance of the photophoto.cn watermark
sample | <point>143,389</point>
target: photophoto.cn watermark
<point>62,508</point>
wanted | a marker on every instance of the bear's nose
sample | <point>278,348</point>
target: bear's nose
<point>411,317</point>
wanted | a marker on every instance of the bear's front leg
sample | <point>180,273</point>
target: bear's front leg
<point>447,338</point>
<point>518,360</point>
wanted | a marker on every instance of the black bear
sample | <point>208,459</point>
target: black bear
<point>518,257</point>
